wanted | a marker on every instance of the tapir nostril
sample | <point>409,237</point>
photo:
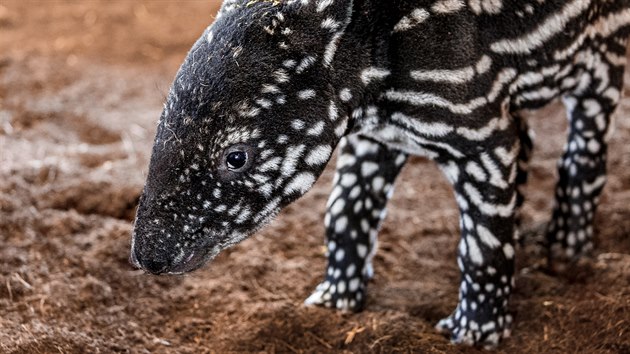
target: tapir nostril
<point>154,266</point>
<point>152,262</point>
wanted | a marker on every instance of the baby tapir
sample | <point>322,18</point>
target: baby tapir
<point>273,86</point>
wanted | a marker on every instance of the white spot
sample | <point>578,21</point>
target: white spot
<point>317,129</point>
<point>305,64</point>
<point>319,155</point>
<point>333,113</point>
<point>289,63</point>
<point>297,124</point>
<point>345,95</point>
<point>447,6</point>
<point>300,183</point>
<point>341,128</point>
<point>354,193</point>
<point>593,146</point>
<point>508,250</point>
<point>341,287</point>
<point>362,250</point>
<point>267,88</point>
<point>340,254</point>
<point>306,94</point>
<point>468,222</point>
<point>291,159</point>
<point>353,285</point>
<point>348,179</point>
<point>416,17</point>
<point>377,183</point>
<point>264,103</point>
<point>368,168</point>
<point>337,206</point>
<point>243,216</point>
<point>474,251</point>
<point>281,76</point>
<point>341,224</point>
<point>351,270</point>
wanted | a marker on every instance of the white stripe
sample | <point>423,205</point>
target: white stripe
<point>505,76</point>
<point>487,237</point>
<point>428,129</point>
<point>421,141</point>
<point>553,25</point>
<point>532,78</point>
<point>428,99</point>
<point>588,188</point>
<point>323,4</point>
<point>474,170</point>
<point>474,251</point>
<point>503,210</point>
<point>416,17</point>
<point>603,27</point>
<point>616,60</point>
<point>507,157</point>
<point>453,76</point>
<point>370,74</point>
<point>484,132</point>
<point>331,48</point>
<point>496,177</point>
<point>483,65</point>
<point>330,24</point>
<point>305,64</point>
<point>456,76</point>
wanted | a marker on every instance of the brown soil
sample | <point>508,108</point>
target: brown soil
<point>81,85</point>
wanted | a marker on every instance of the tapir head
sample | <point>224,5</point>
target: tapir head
<point>249,124</point>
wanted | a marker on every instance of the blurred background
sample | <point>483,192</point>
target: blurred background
<point>81,89</point>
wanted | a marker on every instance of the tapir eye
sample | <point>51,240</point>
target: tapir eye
<point>236,160</point>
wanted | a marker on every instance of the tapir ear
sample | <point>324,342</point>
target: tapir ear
<point>337,10</point>
<point>318,23</point>
<point>333,6</point>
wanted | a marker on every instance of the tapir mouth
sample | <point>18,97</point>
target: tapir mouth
<point>194,260</point>
<point>185,263</point>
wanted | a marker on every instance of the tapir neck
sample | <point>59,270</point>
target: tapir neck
<point>362,60</point>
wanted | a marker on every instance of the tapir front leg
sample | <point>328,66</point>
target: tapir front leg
<point>366,171</point>
<point>485,187</point>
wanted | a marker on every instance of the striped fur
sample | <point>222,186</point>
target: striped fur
<point>278,84</point>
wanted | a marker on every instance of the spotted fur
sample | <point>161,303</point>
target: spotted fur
<point>283,82</point>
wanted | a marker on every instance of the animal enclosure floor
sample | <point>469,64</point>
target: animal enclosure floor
<point>81,87</point>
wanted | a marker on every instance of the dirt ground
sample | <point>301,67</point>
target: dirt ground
<point>81,87</point>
